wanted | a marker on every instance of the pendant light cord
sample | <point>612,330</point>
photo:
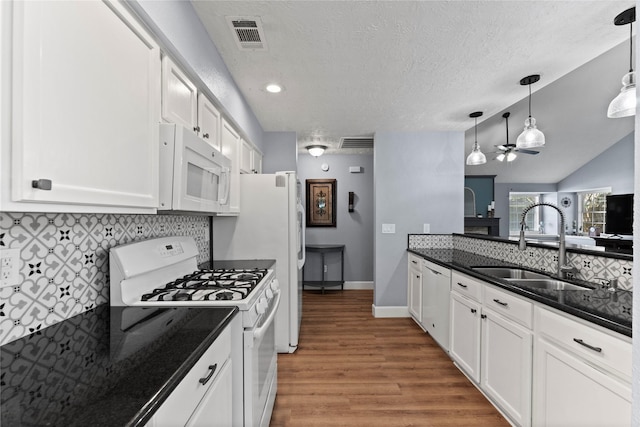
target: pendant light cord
<point>529,100</point>
<point>475,145</point>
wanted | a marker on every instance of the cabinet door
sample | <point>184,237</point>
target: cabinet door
<point>569,392</point>
<point>415,294</point>
<point>230,143</point>
<point>429,299</point>
<point>257,162</point>
<point>441,319</point>
<point>506,365</point>
<point>86,88</point>
<point>209,121</point>
<point>179,96</point>
<point>246,153</point>
<point>464,341</point>
<point>214,409</point>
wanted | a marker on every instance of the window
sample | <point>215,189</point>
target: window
<point>517,204</point>
<point>592,207</point>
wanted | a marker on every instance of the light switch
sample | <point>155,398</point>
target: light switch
<point>388,228</point>
<point>426,228</point>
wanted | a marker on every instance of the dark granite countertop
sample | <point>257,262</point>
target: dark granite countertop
<point>611,310</point>
<point>110,366</point>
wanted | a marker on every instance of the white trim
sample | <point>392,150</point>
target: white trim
<point>358,285</point>
<point>394,311</point>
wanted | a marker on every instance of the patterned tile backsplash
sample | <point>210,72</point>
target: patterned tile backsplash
<point>64,261</point>
<point>591,268</point>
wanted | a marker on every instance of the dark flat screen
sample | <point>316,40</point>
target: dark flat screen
<point>619,216</point>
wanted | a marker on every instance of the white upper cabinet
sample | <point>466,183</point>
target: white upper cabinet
<point>230,143</point>
<point>179,96</point>
<point>209,121</point>
<point>250,158</point>
<point>85,112</point>
<point>183,104</point>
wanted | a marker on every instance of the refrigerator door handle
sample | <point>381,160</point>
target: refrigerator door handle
<point>302,229</point>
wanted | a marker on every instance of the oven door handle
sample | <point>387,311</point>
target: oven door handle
<point>259,332</point>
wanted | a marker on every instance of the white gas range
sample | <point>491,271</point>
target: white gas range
<point>163,272</point>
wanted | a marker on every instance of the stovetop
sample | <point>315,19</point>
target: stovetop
<point>209,285</point>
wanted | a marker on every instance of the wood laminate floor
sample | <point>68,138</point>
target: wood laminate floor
<point>352,369</point>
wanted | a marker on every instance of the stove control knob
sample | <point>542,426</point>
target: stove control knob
<point>269,293</point>
<point>275,285</point>
<point>261,306</point>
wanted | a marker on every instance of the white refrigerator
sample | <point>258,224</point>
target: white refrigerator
<point>271,225</point>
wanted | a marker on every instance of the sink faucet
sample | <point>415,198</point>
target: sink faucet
<point>563,267</point>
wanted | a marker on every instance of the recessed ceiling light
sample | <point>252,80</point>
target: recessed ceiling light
<point>274,88</point>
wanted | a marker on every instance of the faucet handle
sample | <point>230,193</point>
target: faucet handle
<point>611,283</point>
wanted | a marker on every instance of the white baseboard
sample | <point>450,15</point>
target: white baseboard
<point>401,311</point>
<point>358,285</point>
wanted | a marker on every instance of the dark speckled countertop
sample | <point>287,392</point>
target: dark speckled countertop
<point>598,305</point>
<point>106,367</point>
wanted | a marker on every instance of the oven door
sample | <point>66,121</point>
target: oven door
<point>260,369</point>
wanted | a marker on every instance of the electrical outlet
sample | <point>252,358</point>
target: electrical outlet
<point>426,228</point>
<point>9,263</point>
<point>388,228</point>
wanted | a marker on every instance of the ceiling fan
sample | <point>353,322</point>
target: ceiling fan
<point>508,151</point>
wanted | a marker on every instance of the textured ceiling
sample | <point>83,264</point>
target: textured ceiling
<point>351,68</point>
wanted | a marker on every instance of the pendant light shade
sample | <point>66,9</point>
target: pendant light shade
<point>624,104</point>
<point>476,157</point>
<point>531,136</point>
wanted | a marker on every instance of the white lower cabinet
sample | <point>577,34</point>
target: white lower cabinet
<point>491,341</point>
<point>415,288</point>
<point>204,396</point>
<point>506,365</point>
<point>583,375</point>
<point>464,342</point>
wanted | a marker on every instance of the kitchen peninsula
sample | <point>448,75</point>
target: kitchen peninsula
<point>535,344</point>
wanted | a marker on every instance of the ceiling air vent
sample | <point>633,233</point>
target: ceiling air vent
<point>360,143</point>
<point>248,32</point>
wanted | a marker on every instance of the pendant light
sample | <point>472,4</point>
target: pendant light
<point>530,136</point>
<point>624,104</point>
<point>476,157</point>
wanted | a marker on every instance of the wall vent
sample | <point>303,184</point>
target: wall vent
<point>247,32</point>
<point>360,143</point>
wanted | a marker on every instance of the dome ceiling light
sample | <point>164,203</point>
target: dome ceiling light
<point>624,104</point>
<point>316,150</point>
<point>530,137</point>
<point>476,157</point>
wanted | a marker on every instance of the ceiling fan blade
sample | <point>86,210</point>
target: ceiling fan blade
<point>520,150</point>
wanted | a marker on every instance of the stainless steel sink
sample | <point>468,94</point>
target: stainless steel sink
<point>549,284</point>
<point>510,273</point>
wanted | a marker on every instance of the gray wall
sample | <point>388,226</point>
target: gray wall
<point>419,178</point>
<point>354,229</point>
<point>182,34</point>
<point>613,168</point>
<point>280,152</point>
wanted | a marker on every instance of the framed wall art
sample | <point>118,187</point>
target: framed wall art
<point>321,202</point>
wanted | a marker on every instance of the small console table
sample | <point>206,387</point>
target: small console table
<point>322,250</point>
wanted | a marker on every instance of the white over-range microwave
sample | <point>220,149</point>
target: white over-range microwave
<point>194,176</point>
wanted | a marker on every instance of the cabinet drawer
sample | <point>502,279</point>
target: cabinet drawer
<point>467,286</point>
<point>509,306</point>
<point>415,262</point>
<point>184,399</point>
<point>601,348</point>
